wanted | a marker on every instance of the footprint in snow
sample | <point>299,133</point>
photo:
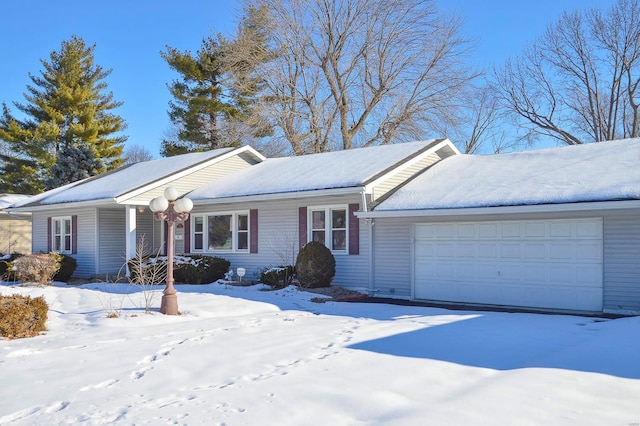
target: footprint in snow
<point>101,385</point>
<point>57,406</point>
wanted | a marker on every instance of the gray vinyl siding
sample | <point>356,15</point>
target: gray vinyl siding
<point>278,233</point>
<point>622,261</point>
<point>198,178</point>
<point>392,258</point>
<point>145,228</point>
<point>86,250</point>
<point>405,174</point>
<point>112,242</point>
<point>621,254</point>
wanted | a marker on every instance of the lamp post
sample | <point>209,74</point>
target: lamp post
<point>169,209</point>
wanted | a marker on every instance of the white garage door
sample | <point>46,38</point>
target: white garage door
<point>534,263</point>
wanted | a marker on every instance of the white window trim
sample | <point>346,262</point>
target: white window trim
<point>328,225</point>
<point>62,220</point>
<point>234,233</point>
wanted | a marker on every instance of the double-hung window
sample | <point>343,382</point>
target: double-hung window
<point>61,238</point>
<point>328,225</point>
<point>221,232</point>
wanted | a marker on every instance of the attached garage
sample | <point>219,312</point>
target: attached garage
<point>550,229</point>
<point>552,264</point>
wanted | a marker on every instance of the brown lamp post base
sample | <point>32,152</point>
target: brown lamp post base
<point>169,304</point>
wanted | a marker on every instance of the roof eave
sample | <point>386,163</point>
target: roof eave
<point>71,204</point>
<point>281,195</point>
<point>532,208</point>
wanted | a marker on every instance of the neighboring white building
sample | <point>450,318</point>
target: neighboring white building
<point>15,228</point>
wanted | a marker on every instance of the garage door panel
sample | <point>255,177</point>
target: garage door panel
<point>444,270</point>
<point>534,230</point>
<point>541,263</point>
<point>487,272</point>
<point>511,273</point>
<point>510,230</point>
<point>487,230</point>
<point>561,275</point>
<point>561,229</point>
<point>561,251</point>
<point>591,251</point>
<point>444,250</point>
<point>589,229</point>
<point>589,274</point>
<point>445,231</point>
<point>510,250</point>
<point>535,273</point>
<point>465,272</point>
<point>488,250</point>
<point>466,250</point>
<point>534,251</point>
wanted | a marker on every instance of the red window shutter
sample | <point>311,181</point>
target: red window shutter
<point>302,226</point>
<point>253,231</point>
<point>354,230</point>
<point>74,234</point>
<point>187,235</point>
<point>49,231</point>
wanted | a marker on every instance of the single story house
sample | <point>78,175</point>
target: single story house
<point>554,229</point>
<point>15,228</point>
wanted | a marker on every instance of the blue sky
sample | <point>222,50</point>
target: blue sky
<point>129,36</point>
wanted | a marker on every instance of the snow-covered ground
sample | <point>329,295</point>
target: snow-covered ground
<point>241,356</point>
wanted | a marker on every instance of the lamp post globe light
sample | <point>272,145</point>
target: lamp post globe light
<point>171,210</point>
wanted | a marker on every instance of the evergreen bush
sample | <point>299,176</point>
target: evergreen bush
<point>5,260</point>
<point>278,277</point>
<point>22,316</point>
<point>67,267</point>
<point>200,269</point>
<point>315,265</point>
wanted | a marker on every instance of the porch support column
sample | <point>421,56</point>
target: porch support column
<point>130,244</point>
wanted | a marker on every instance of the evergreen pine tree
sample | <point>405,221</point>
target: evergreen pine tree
<point>65,106</point>
<point>200,102</point>
<point>73,163</point>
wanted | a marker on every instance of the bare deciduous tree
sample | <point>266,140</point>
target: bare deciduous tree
<point>137,154</point>
<point>482,126</point>
<point>579,82</point>
<point>350,73</point>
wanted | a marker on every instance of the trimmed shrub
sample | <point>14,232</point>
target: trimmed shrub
<point>278,277</point>
<point>22,316</point>
<point>4,264</point>
<point>315,265</point>
<point>67,267</point>
<point>199,269</point>
<point>190,269</point>
<point>37,268</point>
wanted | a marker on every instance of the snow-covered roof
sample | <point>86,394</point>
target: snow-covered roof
<point>123,180</point>
<point>604,171</point>
<point>7,200</point>
<point>330,170</point>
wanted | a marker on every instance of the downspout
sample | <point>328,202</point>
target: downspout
<point>369,222</point>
